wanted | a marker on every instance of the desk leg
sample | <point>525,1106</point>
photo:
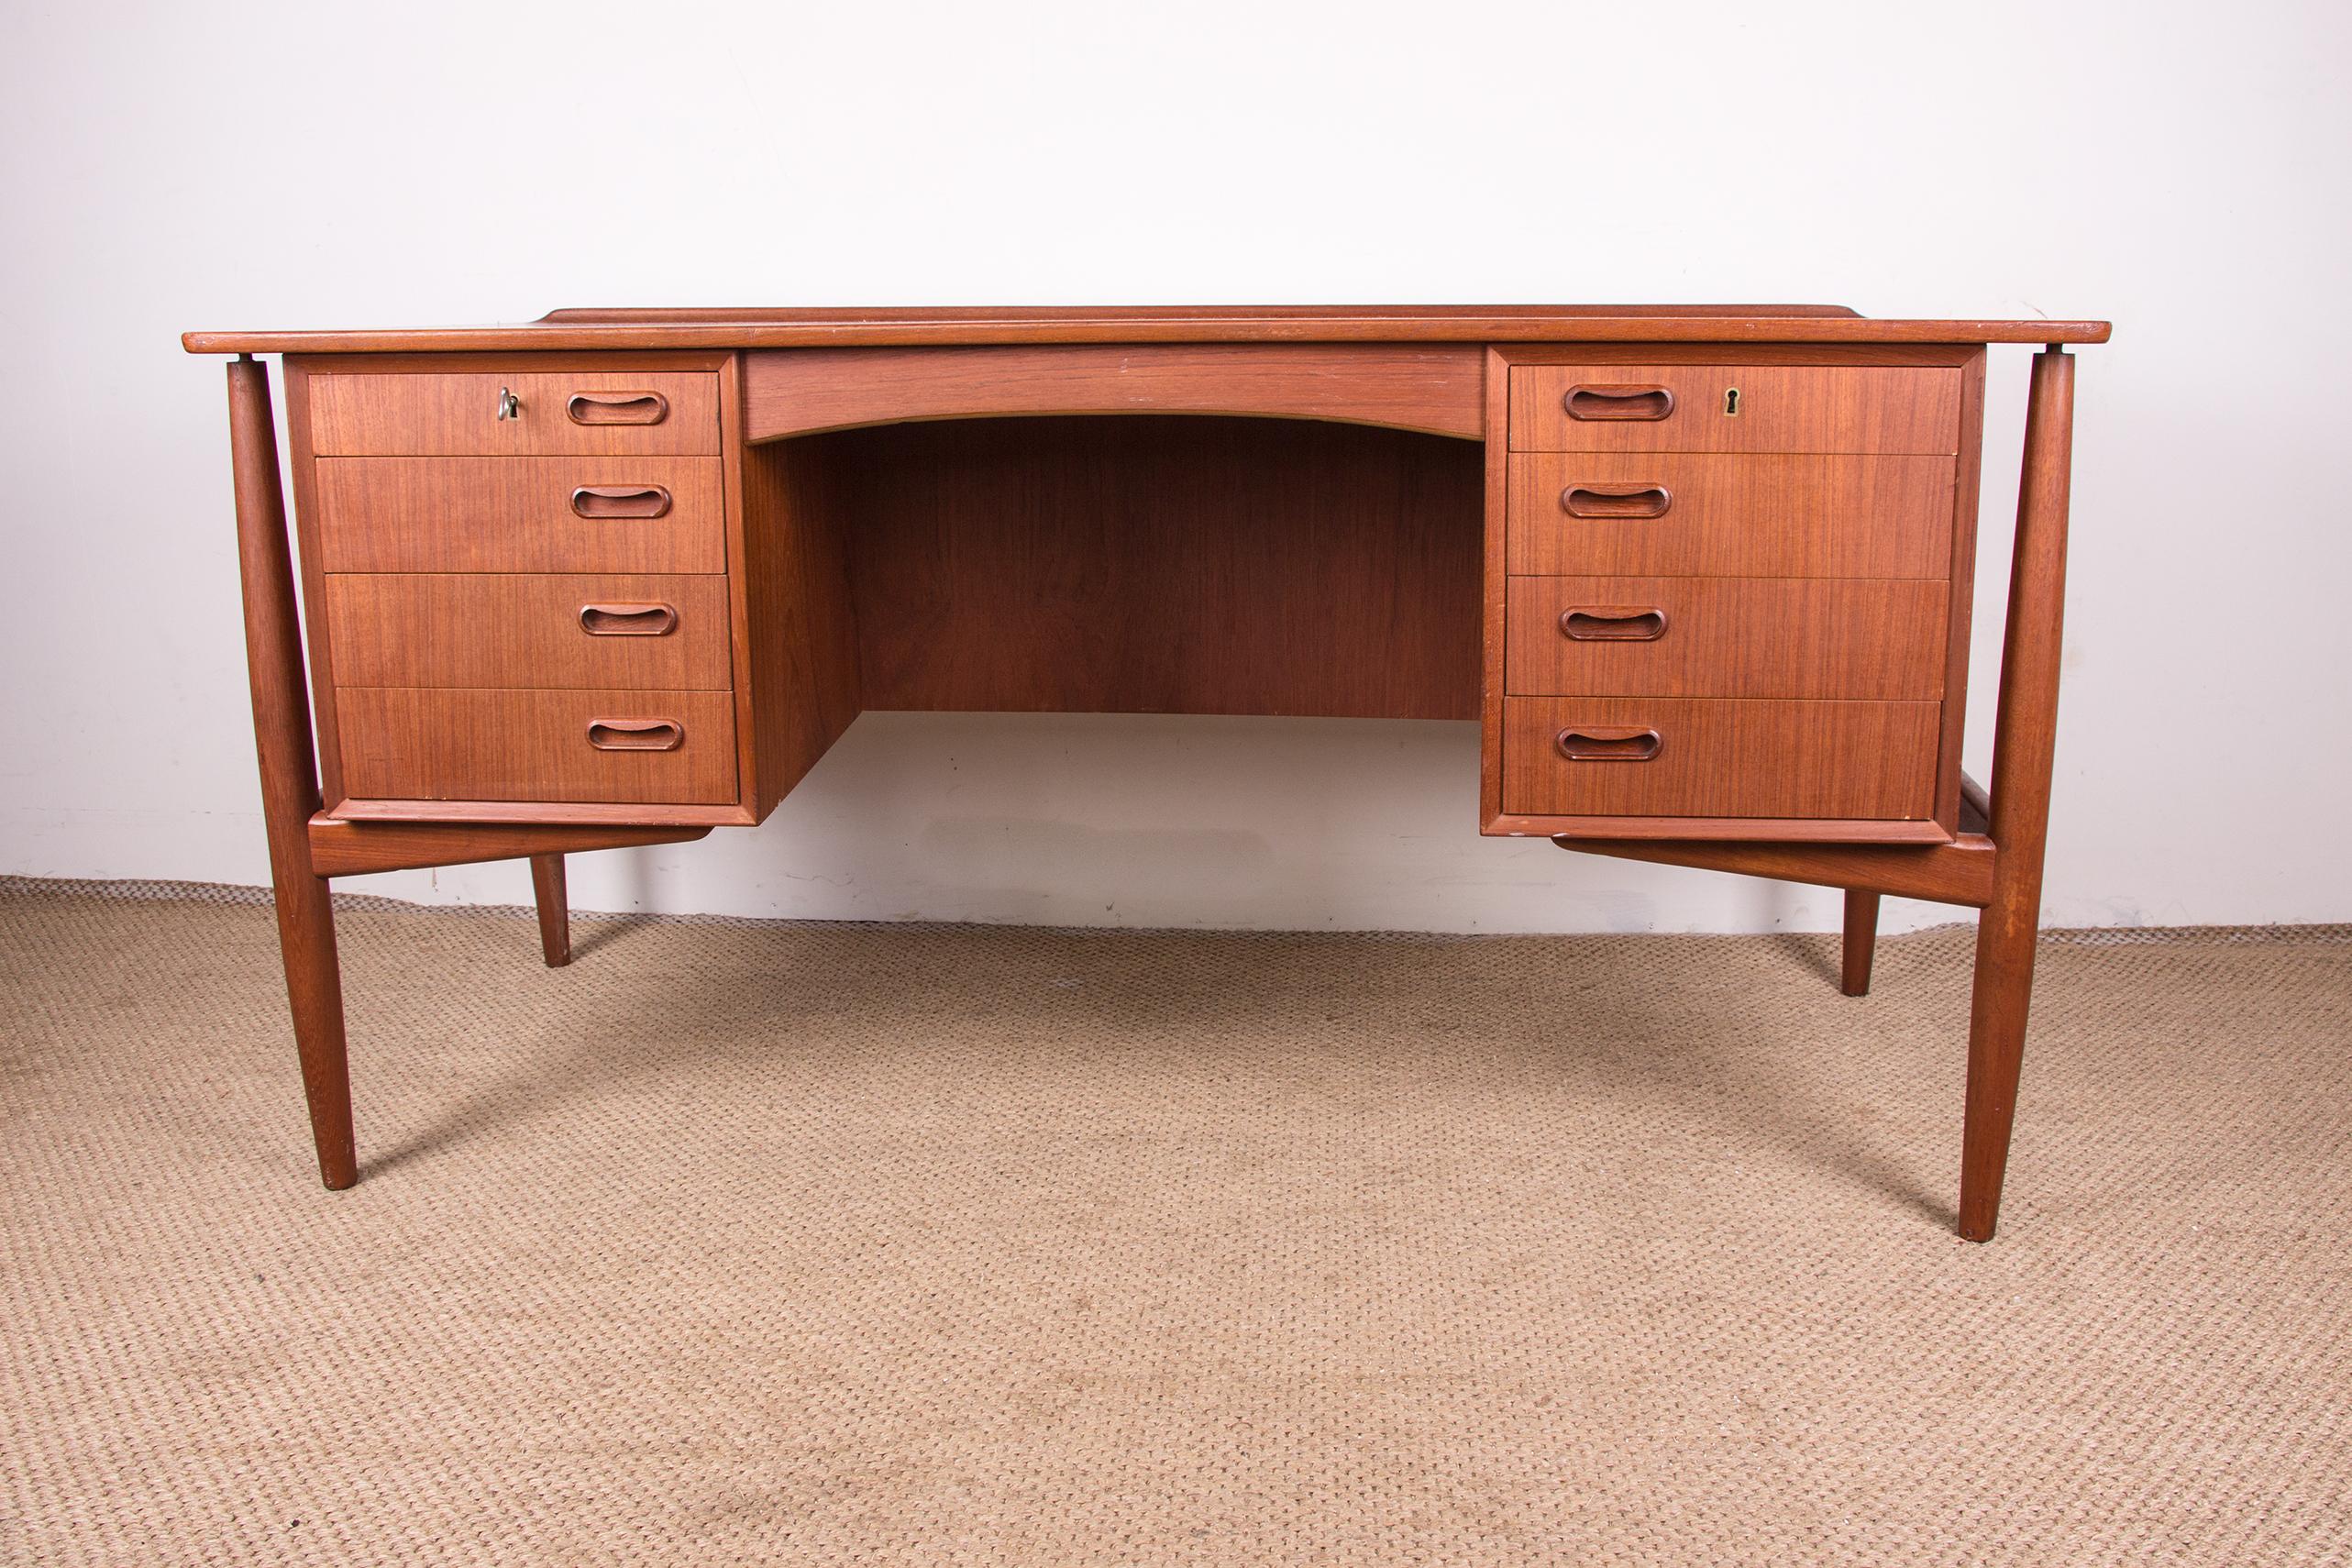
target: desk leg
<point>290,797</point>
<point>555,909</point>
<point>2024,750</point>
<point>1862,941</point>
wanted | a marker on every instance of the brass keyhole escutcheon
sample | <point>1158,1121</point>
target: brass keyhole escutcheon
<point>1731,403</point>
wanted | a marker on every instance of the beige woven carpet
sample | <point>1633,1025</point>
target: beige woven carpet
<point>741,1242</point>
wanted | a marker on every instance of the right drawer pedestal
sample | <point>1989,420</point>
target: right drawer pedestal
<point>1729,596</point>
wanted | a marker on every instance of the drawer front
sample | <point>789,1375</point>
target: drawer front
<point>1693,408</point>
<point>619,747</point>
<point>1719,758</point>
<point>481,630</point>
<point>1672,514</point>
<point>1695,637</point>
<point>587,413</point>
<point>641,514</point>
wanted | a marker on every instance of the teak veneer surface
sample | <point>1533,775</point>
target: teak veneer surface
<point>1736,515</point>
<point>472,629</point>
<point>1725,759</point>
<point>404,743</point>
<point>1780,408</point>
<point>1959,872</point>
<point>516,514</point>
<point>1794,637</point>
<point>797,651</point>
<point>339,848</point>
<point>290,790</point>
<point>767,328</point>
<point>1437,390</point>
<point>1161,564</point>
<point>454,414</point>
<point>626,815</point>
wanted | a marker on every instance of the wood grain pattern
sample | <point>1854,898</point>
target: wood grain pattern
<point>1815,409</point>
<point>1722,758</point>
<point>1062,316</point>
<point>1859,832</point>
<point>1174,565</point>
<point>454,413</point>
<point>405,743</point>
<point>1163,564</point>
<point>1975,805</point>
<point>1821,638</point>
<point>1960,582</point>
<point>799,649</point>
<point>548,891</point>
<point>1859,946</point>
<point>1959,872</point>
<point>1947,355</point>
<point>543,360</point>
<point>2024,748</point>
<point>1494,594</point>
<point>339,848</point>
<point>1436,389</point>
<point>741,586</point>
<point>567,814</point>
<point>512,630</point>
<point>303,468</point>
<point>767,328</point>
<point>1773,515</point>
<point>290,792</point>
<point>383,514</point>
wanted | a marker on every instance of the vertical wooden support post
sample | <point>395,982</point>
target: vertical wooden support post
<point>2024,743</point>
<point>1862,941</point>
<point>281,736</point>
<point>555,909</point>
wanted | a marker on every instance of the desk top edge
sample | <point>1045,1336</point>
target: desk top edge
<point>576,330</point>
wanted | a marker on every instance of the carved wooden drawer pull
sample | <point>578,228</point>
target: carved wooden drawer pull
<point>1615,500</point>
<point>1618,402</point>
<point>628,620</point>
<point>618,408</point>
<point>1608,744</point>
<point>636,734</point>
<point>1612,624</point>
<point>620,500</point>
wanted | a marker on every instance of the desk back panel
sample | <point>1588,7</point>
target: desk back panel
<point>1158,564</point>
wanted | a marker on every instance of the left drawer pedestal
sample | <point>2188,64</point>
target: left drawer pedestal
<point>517,577</point>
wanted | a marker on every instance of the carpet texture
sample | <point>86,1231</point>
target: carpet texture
<point>744,1243</point>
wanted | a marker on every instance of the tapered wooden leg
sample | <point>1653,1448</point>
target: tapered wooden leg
<point>1862,941</point>
<point>2024,748</point>
<point>290,798</point>
<point>555,909</point>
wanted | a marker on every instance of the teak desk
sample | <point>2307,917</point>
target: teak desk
<point>618,577</point>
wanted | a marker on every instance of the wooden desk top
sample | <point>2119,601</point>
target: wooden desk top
<point>576,330</point>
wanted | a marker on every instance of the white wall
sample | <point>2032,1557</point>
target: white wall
<point>2180,169</point>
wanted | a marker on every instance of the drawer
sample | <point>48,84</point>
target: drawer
<point>1672,515</point>
<point>1736,408</point>
<point>588,412</point>
<point>624,747</point>
<point>1699,636</point>
<point>1667,756</point>
<point>467,629</point>
<point>662,515</point>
